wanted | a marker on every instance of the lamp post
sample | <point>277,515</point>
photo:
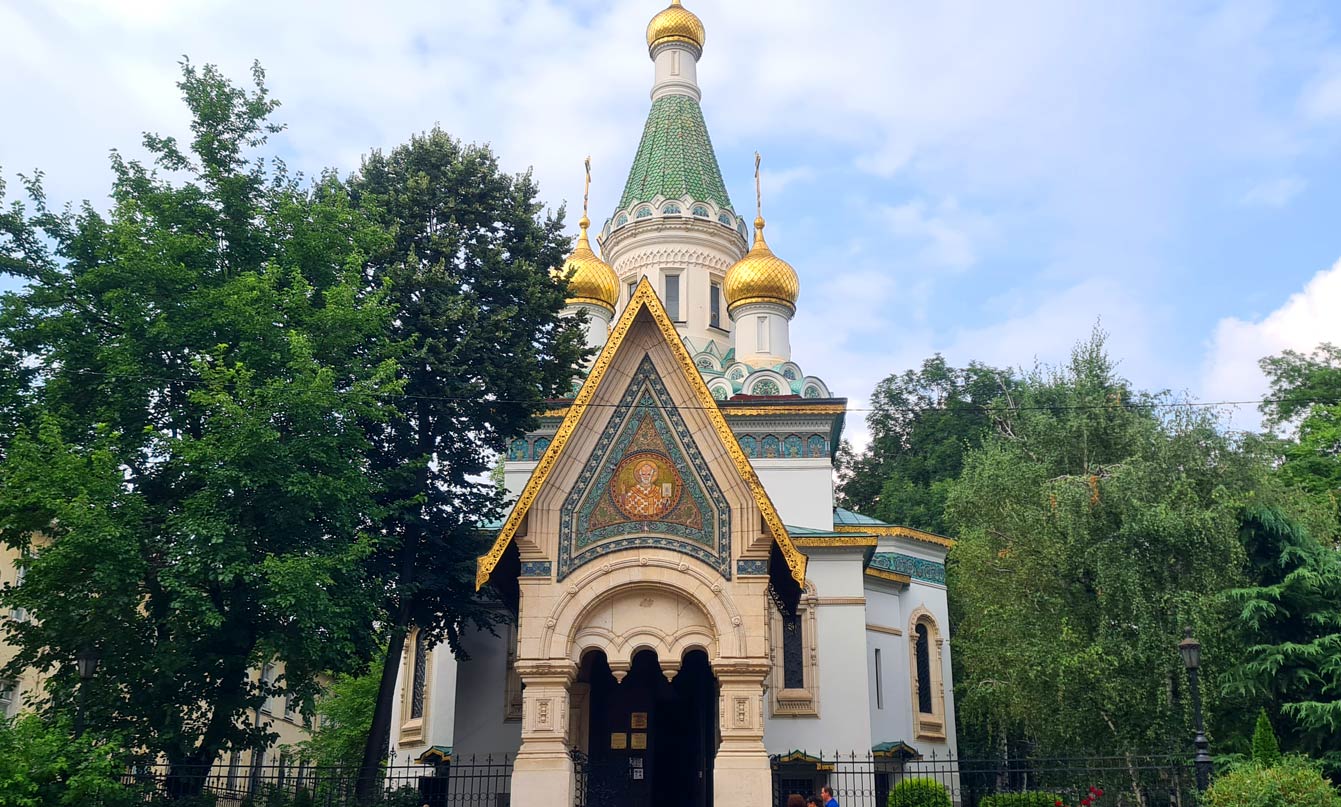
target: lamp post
<point>87,663</point>
<point>1190,649</point>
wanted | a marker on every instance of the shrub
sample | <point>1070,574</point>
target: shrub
<point>42,766</point>
<point>1266,749</point>
<point>1294,782</point>
<point>1029,799</point>
<point>919,793</point>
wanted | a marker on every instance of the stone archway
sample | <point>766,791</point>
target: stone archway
<point>661,607</point>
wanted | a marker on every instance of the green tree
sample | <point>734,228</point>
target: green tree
<point>483,347</point>
<point>922,422</point>
<point>1290,616</point>
<point>40,766</point>
<point>345,713</point>
<point>193,490</point>
<point>1306,394</point>
<point>1092,524</point>
<point>1266,749</point>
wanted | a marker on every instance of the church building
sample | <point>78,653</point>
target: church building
<point>691,616</point>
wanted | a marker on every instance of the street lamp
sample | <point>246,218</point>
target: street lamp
<point>1190,650</point>
<point>87,663</point>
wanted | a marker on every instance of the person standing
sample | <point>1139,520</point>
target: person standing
<point>826,793</point>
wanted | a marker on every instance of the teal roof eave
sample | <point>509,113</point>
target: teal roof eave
<point>846,518</point>
<point>675,157</point>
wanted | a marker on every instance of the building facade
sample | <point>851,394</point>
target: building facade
<point>691,611</point>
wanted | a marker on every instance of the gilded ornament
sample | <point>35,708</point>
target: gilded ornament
<point>676,24</point>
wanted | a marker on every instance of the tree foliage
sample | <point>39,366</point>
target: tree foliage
<point>922,422</point>
<point>344,713</point>
<point>1266,749</point>
<point>482,346</point>
<point>1290,617</point>
<point>1091,527</point>
<point>1306,393</point>
<point>191,487</point>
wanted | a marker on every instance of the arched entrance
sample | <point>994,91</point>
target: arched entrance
<point>652,736</point>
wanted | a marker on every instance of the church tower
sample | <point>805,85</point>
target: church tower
<point>674,224</point>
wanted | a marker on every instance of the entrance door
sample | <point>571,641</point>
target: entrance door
<point>651,742</point>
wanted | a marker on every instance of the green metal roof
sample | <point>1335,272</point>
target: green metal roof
<point>675,157</point>
<point>847,518</point>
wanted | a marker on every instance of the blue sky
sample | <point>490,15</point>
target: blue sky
<point>987,180</point>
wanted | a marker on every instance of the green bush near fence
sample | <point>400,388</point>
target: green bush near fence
<point>919,793</point>
<point>1293,782</point>
<point>1027,799</point>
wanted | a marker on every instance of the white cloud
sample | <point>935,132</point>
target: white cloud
<point>1322,99</point>
<point>1274,193</point>
<point>1307,318</point>
<point>947,234</point>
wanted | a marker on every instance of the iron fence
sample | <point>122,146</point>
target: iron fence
<point>865,780</point>
<point>469,782</point>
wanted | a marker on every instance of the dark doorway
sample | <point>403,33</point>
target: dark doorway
<point>651,741</point>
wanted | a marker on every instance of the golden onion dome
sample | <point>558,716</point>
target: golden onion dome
<point>590,279</point>
<point>675,24</point>
<point>761,276</point>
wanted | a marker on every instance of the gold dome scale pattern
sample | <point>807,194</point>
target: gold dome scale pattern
<point>676,24</point>
<point>590,279</point>
<point>761,277</point>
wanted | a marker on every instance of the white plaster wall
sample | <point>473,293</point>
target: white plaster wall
<point>801,489</point>
<point>699,250</point>
<point>884,609</point>
<point>440,706</point>
<point>515,475</point>
<point>844,721</point>
<point>598,323</point>
<point>776,347</point>
<point>676,71</point>
<point>480,728</point>
<point>933,597</point>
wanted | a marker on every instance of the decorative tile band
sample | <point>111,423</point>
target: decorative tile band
<point>916,568</point>
<point>751,567</point>
<point>536,568</point>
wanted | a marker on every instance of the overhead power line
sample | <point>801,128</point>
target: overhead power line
<point>976,408</point>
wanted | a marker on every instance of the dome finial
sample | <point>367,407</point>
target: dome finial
<point>758,200</point>
<point>590,279</point>
<point>675,23</point>
<point>760,276</point>
<point>586,191</point>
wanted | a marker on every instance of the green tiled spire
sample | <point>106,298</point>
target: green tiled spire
<point>675,157</point>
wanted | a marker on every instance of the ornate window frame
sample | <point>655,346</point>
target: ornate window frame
<point>927,725</point>
<point>412,728</point>
<point>803,702</point>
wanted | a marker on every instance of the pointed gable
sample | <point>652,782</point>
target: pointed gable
<point>680,500</point>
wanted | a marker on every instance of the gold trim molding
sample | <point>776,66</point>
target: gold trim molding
<point>897,532</point>
<point>644,299</point>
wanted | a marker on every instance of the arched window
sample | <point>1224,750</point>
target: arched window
<point>765,386</point>
<point>724,219</point>
<point>700,211</point>
<point>420,680</point>
<point>643,213</point>
<point>928,686</point>
<point>795,678</point>
<point>416,674</point>
<point>622,220</point>
<point>671,210</point>
<point>923,653</point>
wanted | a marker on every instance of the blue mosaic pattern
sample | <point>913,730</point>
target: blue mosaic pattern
<point>817,446</point>
<point>791,446</point>
<point>536,568</point>
<point>751,567</point>
<point>916,568</point>
<point>645,397</point>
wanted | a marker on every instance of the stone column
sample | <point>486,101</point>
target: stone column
<point>741,774</point>
<point>543,771</point>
